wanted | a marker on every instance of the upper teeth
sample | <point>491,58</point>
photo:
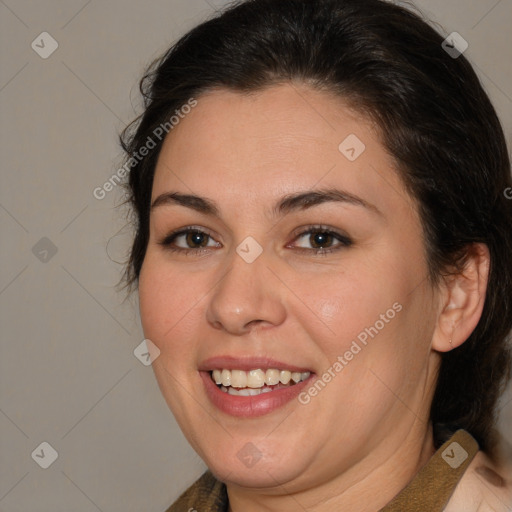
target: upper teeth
<point>256,378</point>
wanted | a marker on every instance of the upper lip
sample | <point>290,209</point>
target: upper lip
<point>247,363</point>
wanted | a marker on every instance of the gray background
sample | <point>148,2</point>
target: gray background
<point>68,374</point>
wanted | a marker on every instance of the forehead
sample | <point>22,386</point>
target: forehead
<point>272,142</point>
<point>281,122</point>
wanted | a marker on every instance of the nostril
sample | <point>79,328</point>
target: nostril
<point>248,324</point>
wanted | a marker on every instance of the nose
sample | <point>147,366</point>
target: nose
<point>248,296</point>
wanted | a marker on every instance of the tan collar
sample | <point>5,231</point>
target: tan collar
<point>433,486</point>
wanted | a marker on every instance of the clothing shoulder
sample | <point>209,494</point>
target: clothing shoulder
<point>206,493</point>
<point>485,487</point>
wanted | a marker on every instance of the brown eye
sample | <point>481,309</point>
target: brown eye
<point>196,239</point>
<point>189,239</point>
<point>321,239</point>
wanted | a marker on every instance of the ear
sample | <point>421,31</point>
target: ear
<point>462,298</point>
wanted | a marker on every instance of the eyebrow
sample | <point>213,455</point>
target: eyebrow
<point>197,203</point>
<point>304,200</point>
<point>287,204</point>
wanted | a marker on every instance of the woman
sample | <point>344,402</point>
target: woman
<point>322,259</point>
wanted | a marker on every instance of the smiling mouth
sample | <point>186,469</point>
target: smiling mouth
<point>255,382</point>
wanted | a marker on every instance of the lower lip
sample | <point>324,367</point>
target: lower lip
<point>250,406</point>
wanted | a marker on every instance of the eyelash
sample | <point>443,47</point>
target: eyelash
<point>344,241</point>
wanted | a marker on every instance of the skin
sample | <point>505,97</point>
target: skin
<point>361,439</point>
<point>485,487</point>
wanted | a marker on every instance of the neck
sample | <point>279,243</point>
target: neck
<point>366,487</point>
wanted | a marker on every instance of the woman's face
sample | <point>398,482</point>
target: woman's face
<point>304,255</point>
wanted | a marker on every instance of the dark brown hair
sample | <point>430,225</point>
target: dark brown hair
<point>435,119</point>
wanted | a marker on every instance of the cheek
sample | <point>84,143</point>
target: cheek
<point>349,301</point>
<point>169,302</point>
<point>365,314</point>
<point>330,309</point>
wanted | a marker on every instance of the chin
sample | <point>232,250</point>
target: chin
<point>257,464</point>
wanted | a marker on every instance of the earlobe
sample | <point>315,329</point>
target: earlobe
<point>462,298</point>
